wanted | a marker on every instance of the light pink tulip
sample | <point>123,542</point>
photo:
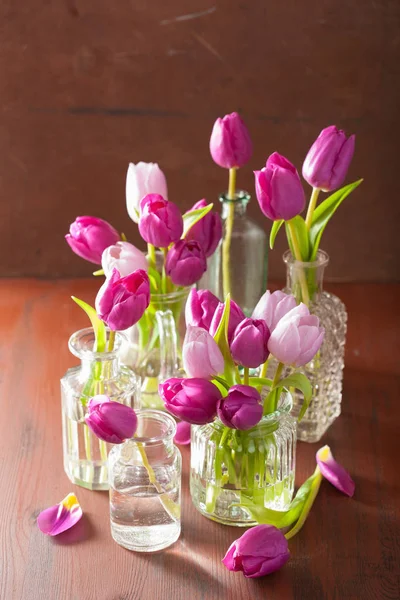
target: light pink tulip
<point>201,355</point>
<point>272,307</point>
<point>142,179</point>
<point>123,256</point>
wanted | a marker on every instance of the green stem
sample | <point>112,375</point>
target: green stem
<point>307,506</point>
<point>311,207</point>
<point>246,376</point>
<point>226,245</point>
<point>151,252</point>
<point>164,278</point>
<point>88,450</point>
<point>298,256</point>
<point>111,341</point>
<point>277,375</point>
<point>264,369</point>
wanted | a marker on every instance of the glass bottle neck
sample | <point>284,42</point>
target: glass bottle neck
<point>102,369</point>
<point>154,434</point>
<point>239,203</point>
<point>305,279</point>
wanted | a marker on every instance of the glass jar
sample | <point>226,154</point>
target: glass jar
<point>145,485</point>
<point>85,456</point>
<point>325,371</point>
<point>253,468</point>
<point>239,265</point>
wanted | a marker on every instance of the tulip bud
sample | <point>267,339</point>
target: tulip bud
<point>201,355</point>
<point>192,400</point>
<point>236,316</point>
<point>124,257</point>
<point>88,237</point>
<point>249,346</point>
<point>185,262</point>
<point>241,408</point>
<point>279,190</point>
<point>160,221</point>
<point>207,231</point>
<point>142,179</point>
<point>259,551</point>
<point>121,301</point>
<point>297,337</point>
<point>272,307</point>
<point>110,421</point>
<point>328,159</point>
<point>200,308</point>
<point>230,143</point>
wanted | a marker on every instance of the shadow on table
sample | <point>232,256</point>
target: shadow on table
<point>81,532</point>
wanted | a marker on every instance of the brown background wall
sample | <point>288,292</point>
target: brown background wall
<point>88,85</point>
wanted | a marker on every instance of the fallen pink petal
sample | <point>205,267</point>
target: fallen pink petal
<point>334,472</point>
<point>182,436</point>
<point>62,516</point>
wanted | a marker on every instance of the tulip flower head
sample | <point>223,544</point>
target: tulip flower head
<point>88,237</point>
<point>230,143</point>
<point>272,307</point>
<point>241,408</point>
<point>249,346</point>
<point>123,256</point>
<point>192,400</point>
<point>236,316</point>
<point>160,221</point>
<point>185,262</point>
<point>110,421</point>
<point>208,231</point>
<point>200,308</point>
<point>142,179</point>
<point>201,355</point>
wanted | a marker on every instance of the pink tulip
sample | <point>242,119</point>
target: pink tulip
<point>236,316</point>
<point>62,516</point>
<point>88,237</point>
<point>328,159</point>
<point>182,436</point>
<point>207,231</point>
<point>123,256</point>
<point>230,143</point>
<point>185,262</point>
<point>272,307</point>
<point>201,355</point>
<point>241,408</point>
<point>121,301</point>
<point>249,346</point>
<point>110,421</point>
<point>160,221</point>
<point>200,308</point>
<point>192,400</point>
<point>142,179</point>
<point>334,472</point>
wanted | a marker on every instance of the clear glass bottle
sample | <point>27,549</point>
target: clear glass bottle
<point>325,371</point>
<point>248,255</point>
<point>85,456</point>
<point>145,485</point>
<point>254,467</point>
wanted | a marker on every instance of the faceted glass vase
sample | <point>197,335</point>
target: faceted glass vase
<point>325,371</point>
<point>244,274</point>
<point>254,468</point>
<point>145,485</point>
<point>85,456</point>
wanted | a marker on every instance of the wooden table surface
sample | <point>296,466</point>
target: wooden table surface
<point>348,549</point>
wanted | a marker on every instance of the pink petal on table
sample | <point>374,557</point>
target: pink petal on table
<point>182,435</point>
<point>334,472</point>
<point>62,516</point>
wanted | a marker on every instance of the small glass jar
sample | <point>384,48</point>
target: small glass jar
<point>234,469</point>
<point>85,456</point>
<point>145,485</point>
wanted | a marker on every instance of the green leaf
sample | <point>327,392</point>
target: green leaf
<point>256,381</point>
<point>274,232</point>
<point>300,382</point>
<point>324,212</point>
<point>221,337</point>
<point>302,236</point>
<point>98,326</point>
<point>193,216</point>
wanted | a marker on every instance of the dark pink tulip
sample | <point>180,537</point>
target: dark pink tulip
<point>62,516</point>
<point>185,262</point>
<point>334,472</point>
<point>200,308</point>
<point>110,421</point>
<point>328,159</point>
<point>249,346</point>
<point>160,221</point>
<point>88,237</point>
<point>241,408</point>
<point>279,190</point>
<point>192,400</point>
<point>182,436</point>
<point>207,231</point>
<point>230,143</point>
<point>121,301</point>
<point>236,316</point>
<point>258,552</point>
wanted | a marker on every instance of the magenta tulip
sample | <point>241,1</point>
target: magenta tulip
<point>328,159</point>
<point>207,231</point>
<point>279,190</point>
<point>160,221</point>
<point>62,516</point>
<point>121,301</point>
<point>259,551</point>
<point>249,346</point>
<point>236,316</point>
<point>230,143</point>
<point>334,472</point>
<point>200,308</point>
<point>182,436</point>
<point>272,307</point>
<point>110,421</point>
<point>241,408</point>
<point>123,256</point>
<point>88,237</point>
<point>297,337</point>
<point>192,400</point>
<point>185,262</point>
<point>201,355</point>
<point>142,179</point>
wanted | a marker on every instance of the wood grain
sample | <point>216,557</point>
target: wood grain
<point>347,550</point>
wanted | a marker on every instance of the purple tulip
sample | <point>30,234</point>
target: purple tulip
<point>88,237</point>
<point>160,221</point>
<point>236,316</point>
<point>241,408</point>
<point>121,301</point>
<point>258,552</point>
<point>297,337</point>
<point>207,231</point>
<point>62,516</point>
<point>334,472</point>
<point>142,179</point>
<point>328,159</point>
<point>182,436</point>
<point>200,308</point>
<point>110,421</point>
<point>249,346</point>
<point>192,400</point>
<point>279,190</point>
<point>272,307</point>
<point>230,143</point>
<point>123,256</point>
<point>185,262</point>
<point>201,355</point>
